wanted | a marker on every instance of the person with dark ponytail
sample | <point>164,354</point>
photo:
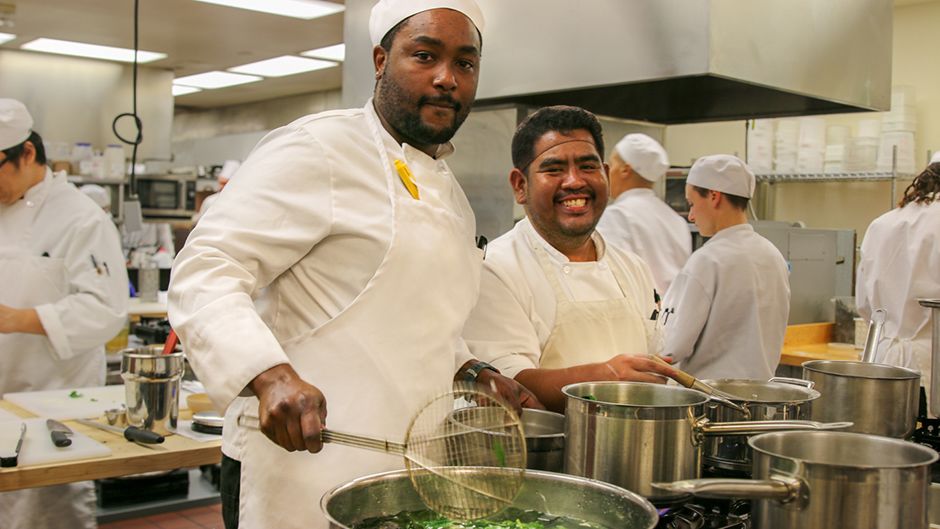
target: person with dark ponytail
<point>900,263</point>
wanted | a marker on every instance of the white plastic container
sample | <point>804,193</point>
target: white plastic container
<point>114,161</point>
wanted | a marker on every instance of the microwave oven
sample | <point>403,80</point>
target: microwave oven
<point>167,196</point>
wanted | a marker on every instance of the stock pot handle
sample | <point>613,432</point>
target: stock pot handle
<point>756,427</point>
<point>808,384</point>
<point>780,488</point>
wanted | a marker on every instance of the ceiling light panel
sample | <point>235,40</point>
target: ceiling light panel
<point>6,37</point>
<point>305,9</point>
<point>180,90</point>
<point>336,52</point>
<point>91,51</point>
<point>281,66</point>
<point>210,80</point>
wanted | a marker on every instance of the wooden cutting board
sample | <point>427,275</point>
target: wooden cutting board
<point>38,448</point>
<point>84,403</point>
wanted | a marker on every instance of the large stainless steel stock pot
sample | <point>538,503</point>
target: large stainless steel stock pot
<point>880,399</point>
<point>632,434</point>
<point>776,399</point>
<point>829,479</point>
<point>556,494</point>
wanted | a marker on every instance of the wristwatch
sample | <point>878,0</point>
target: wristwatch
<point>471,372</point>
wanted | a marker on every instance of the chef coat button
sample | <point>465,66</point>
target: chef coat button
<point>30,203</point>
<point>566,269</point>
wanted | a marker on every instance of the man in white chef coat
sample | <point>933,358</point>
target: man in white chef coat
<point>557,304</point>
<point>637,220</point>
<point>899,264</point>
<point>339,263</point>
<point>726,312</point>
<point>64,295</point>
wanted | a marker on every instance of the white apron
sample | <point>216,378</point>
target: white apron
<point>594,331</point>
<point>377,362</point>
<point>32,281</point>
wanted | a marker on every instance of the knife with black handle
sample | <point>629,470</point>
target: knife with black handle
<point>11,461</point>
<point>59,433</point>
<point>131,433</point>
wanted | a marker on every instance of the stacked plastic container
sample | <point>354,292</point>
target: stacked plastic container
<point>786,141</point>
<point>812,145</point>
<point>760,146</point>
<point>897,130</point>
<point>836,138</point>
<point>862,149</point>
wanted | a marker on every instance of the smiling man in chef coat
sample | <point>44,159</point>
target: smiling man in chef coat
<point>63,294</point>
<point>557,304</point>
<point>339,263</point>
<point>726,312</point>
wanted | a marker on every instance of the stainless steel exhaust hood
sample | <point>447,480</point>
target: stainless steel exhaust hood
<point>672,61</point>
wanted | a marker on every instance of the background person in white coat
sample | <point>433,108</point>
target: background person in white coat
<point>64,295</point>
<point>339,262</point>
<point>726,312</point>
<point>557,305</point>
<point>637,220</point>
<point>900,262</point>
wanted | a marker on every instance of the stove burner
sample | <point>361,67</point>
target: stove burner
<point>707,514</point>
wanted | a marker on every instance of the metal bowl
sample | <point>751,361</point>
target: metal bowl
<point>544,439</point>
<point>557,494</point>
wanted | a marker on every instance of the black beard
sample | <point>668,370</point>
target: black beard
<point>392,103</point>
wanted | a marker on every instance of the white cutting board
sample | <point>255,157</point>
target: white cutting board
<point>89,404</point>
<point>38,448</point>
<point>7,416</point>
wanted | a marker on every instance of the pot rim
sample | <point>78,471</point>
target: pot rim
<point>533,411</point>
<point>811,394</point>
<point>642,502</point>
<point>702,397</point>
<point>930,455</point>
<point>817,366</point>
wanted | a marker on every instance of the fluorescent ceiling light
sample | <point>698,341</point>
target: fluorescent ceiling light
<point>306,9</point>
<point>93,51</point>
<point>6,37</point>
<point>215,79</point>
<point>336,52</point>
<point>180,90</point>
<point>281,66</point>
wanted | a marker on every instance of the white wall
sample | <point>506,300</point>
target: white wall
<point>74,99</point>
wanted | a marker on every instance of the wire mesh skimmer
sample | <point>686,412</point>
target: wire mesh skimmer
<point>464,451</point>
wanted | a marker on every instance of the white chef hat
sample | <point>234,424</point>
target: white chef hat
<point>722,172</point>
<point>100,195</point>
<point>644,154</point>
<point>935,158</point>
<point>15,123</point>
<point>386,14</point>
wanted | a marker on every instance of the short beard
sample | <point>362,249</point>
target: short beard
<point>393,103</point>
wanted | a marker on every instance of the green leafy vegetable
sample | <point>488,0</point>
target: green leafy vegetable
<point>499,452</point>
<point>75,394</point>
<point>511,518</point>
<point>589,397</point>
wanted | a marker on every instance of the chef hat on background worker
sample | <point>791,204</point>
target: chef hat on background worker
<point>100,195</point>
<point>644,154</point>
<point>386,14</point>
<point>228,170</point>
<point>15,123</point>
<point>935,158</point>
<point>722,172</point>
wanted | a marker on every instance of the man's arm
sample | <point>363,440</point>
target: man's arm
<point>685,313</point>
<point>19,320</point>
<point>546,384</point>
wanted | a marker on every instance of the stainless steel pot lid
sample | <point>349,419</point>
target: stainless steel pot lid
<point>762,391</point>
<point>635,394</point>
<point>843,449</point>
<point>849,368</point>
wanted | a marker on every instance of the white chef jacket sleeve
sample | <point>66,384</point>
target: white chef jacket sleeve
<point>499,330</point>
<point>276,209</point>
<point>95,307</point>
<point>862,279</point>
<point>685,311</point>
<point>461,354</point>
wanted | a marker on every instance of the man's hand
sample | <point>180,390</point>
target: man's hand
<point>514,393</point>
<point>20,320</point>
<point>291,412</point>
<point>634,369</point>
